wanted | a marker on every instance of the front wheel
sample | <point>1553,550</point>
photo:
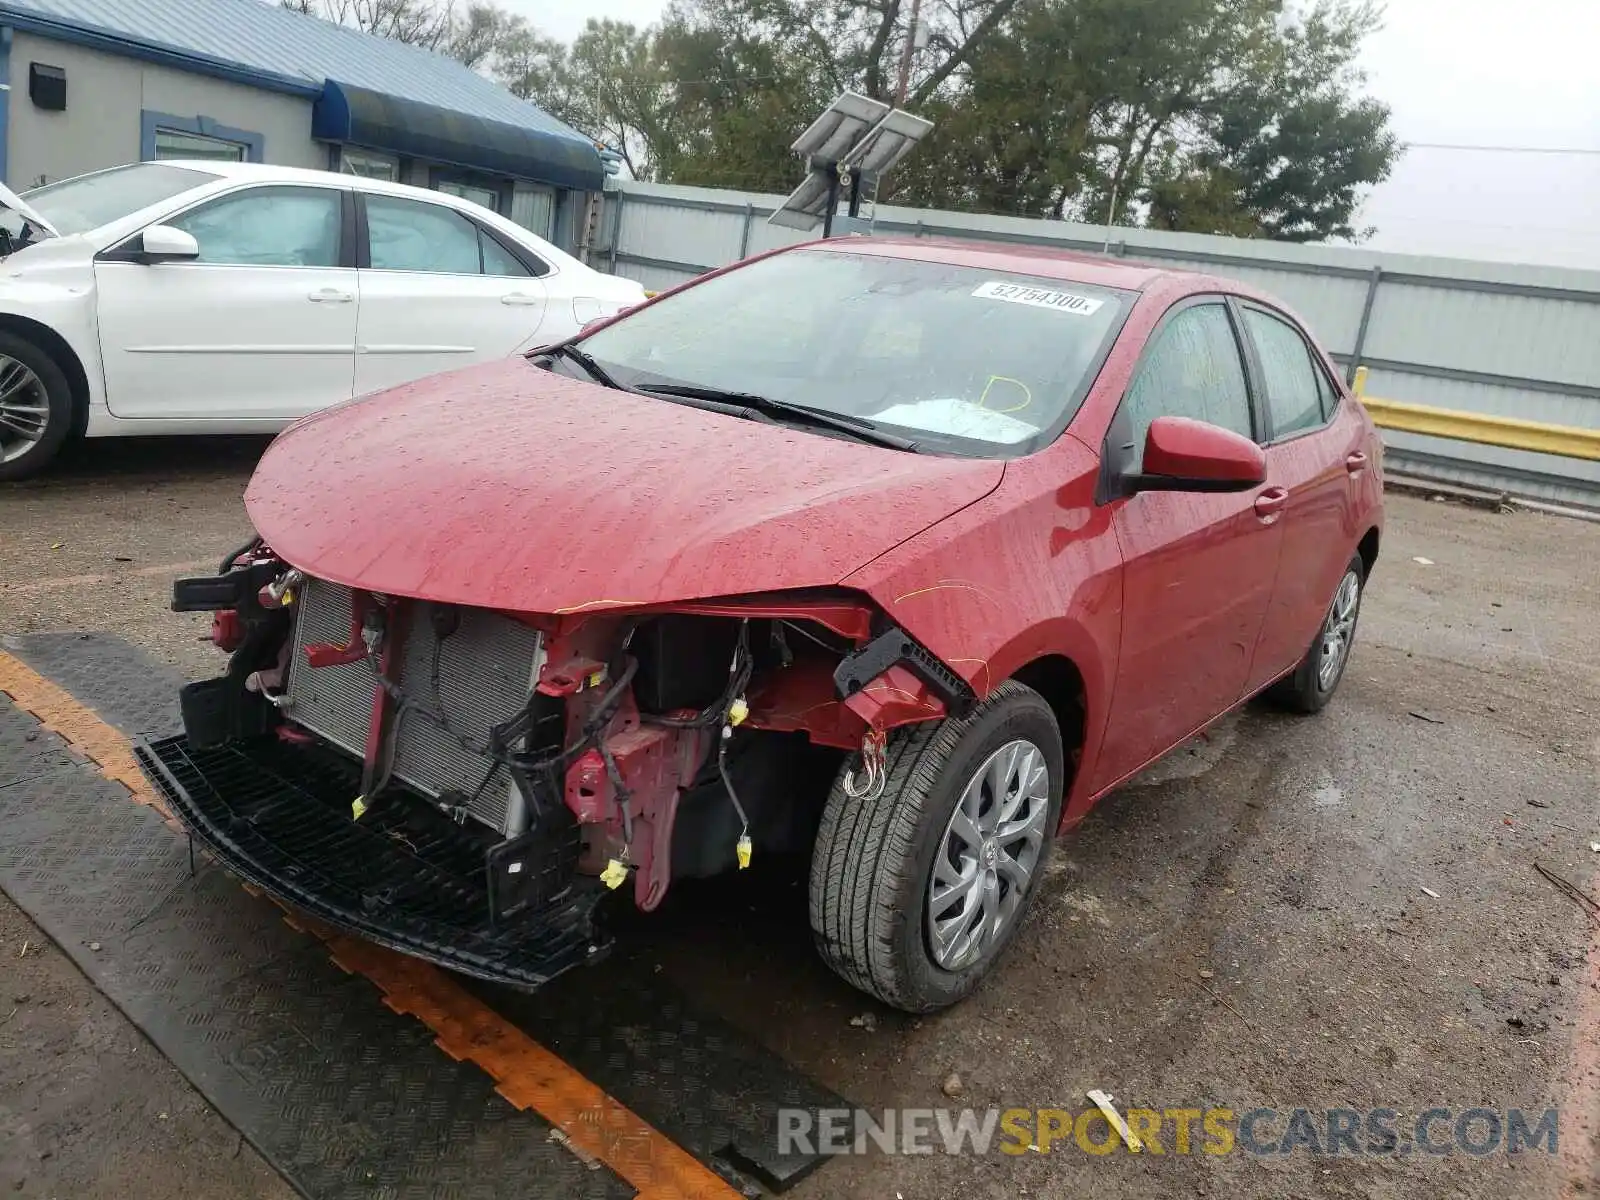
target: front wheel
<point>1313,683</point>
<point>916,891</point>
<point>35,408</point>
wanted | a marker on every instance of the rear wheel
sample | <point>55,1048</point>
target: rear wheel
<point>1314,681</point>
<point>35,408</point>
<point>916,891</point>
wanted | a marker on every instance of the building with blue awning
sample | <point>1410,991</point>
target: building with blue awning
<point>94,83</point>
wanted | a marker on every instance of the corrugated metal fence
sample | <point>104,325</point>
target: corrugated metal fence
<point>1479,337</point>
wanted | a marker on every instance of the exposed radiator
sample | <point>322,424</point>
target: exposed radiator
<point>485,670</point>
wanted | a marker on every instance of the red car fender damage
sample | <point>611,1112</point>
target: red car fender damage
<point>625,787</point>
<point>629,783</point>
<point>995,597</point>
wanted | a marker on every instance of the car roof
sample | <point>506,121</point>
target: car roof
<point>270,173</point>
<point>1047,262</point>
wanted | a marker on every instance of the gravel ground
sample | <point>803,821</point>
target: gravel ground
<point>1245,925</point>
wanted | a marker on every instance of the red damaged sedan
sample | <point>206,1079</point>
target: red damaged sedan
<point>893,553</point>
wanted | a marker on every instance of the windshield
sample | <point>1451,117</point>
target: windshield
<point>962,359</point>
<point>89,201</point>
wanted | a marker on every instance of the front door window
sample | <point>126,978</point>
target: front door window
<point>1193,370</point>
<point>268,227</point>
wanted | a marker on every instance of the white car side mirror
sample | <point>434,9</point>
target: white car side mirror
<point>163,243</point>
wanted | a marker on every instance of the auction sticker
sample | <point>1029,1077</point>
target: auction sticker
<point>1017,293</point>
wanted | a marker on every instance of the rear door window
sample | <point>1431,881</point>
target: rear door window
<point>410,235</point>
<point>1297,389</point>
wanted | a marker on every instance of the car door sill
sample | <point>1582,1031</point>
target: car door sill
<point>1101,793</point>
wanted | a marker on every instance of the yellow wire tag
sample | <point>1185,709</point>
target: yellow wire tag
<point>615,875</point>
<point>738,711</point>
<point>742,848</point>
<point>358,806</point>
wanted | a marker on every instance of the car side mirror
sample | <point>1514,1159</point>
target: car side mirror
<point>1185,455</point>
<point>163,243</point>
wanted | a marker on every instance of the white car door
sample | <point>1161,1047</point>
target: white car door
<point>437,292</point>
<point>261,326</point>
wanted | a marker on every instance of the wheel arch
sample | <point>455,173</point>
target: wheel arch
<point>1368,550</point>
<point>1059,681</point>
<point>60,350</point>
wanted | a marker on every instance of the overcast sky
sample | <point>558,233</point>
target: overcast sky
<point>1501,73</point>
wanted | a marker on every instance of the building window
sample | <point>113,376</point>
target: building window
<point>168,136</point>
<point>369,165</point>
<point>486,196</point>
<point>533,208</point>
<point>174,143</point>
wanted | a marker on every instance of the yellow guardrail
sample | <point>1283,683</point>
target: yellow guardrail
<point>1509,432</point>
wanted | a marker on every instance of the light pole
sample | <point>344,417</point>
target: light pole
<point>905,55</point>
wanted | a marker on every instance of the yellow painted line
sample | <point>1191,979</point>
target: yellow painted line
<point>525,1073</point>
<point>58,712</point>
<point>531,1077</point>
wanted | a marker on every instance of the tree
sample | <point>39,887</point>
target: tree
<point>719,89</point>
<point>1222,116</point>
<point>607,84</point>
<point>416,22</point>
<point>1295,141</point>
<point>474,35</point>
<point>1243,117</point>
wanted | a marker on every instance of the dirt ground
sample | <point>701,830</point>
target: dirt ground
<point>1245,925</point>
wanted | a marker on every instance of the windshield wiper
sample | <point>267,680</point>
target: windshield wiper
<point>595,371</point>
<point>852,426</point>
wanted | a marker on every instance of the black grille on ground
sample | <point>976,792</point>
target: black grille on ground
<point>404,876</point>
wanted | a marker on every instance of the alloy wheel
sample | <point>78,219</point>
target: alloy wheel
<point>24,409</point>
<point>987,856</point>
<point>1338,630</point>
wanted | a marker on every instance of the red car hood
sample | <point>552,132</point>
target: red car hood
<point>504,486</point>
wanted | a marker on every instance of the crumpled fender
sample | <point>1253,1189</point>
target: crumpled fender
<point>1030,570</point>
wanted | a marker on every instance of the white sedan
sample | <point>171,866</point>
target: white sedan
<point>232,298</point>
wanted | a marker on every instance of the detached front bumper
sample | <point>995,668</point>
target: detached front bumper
<point>403,876</point>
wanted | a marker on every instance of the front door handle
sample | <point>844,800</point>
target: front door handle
<point>330,296</point>
<point>1270,504</point>
<point>1355,462</point>
<point>518,298</point>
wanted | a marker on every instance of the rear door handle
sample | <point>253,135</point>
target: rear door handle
<point>519,298</point>
<point>330,296</point>
<point>1270,503</point>
<point>1355,462</point>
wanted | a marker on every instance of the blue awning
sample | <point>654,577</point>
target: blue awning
<point>344,113</point>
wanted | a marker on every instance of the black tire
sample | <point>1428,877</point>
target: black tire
<point>1304,690</point>
<point>59,418</point>
<point>874,857</point>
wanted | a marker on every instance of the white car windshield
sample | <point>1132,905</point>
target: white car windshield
<point>88,201</point>
<point>967,360</point>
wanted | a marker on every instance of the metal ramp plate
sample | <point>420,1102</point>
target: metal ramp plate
<point>344,1095</point>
